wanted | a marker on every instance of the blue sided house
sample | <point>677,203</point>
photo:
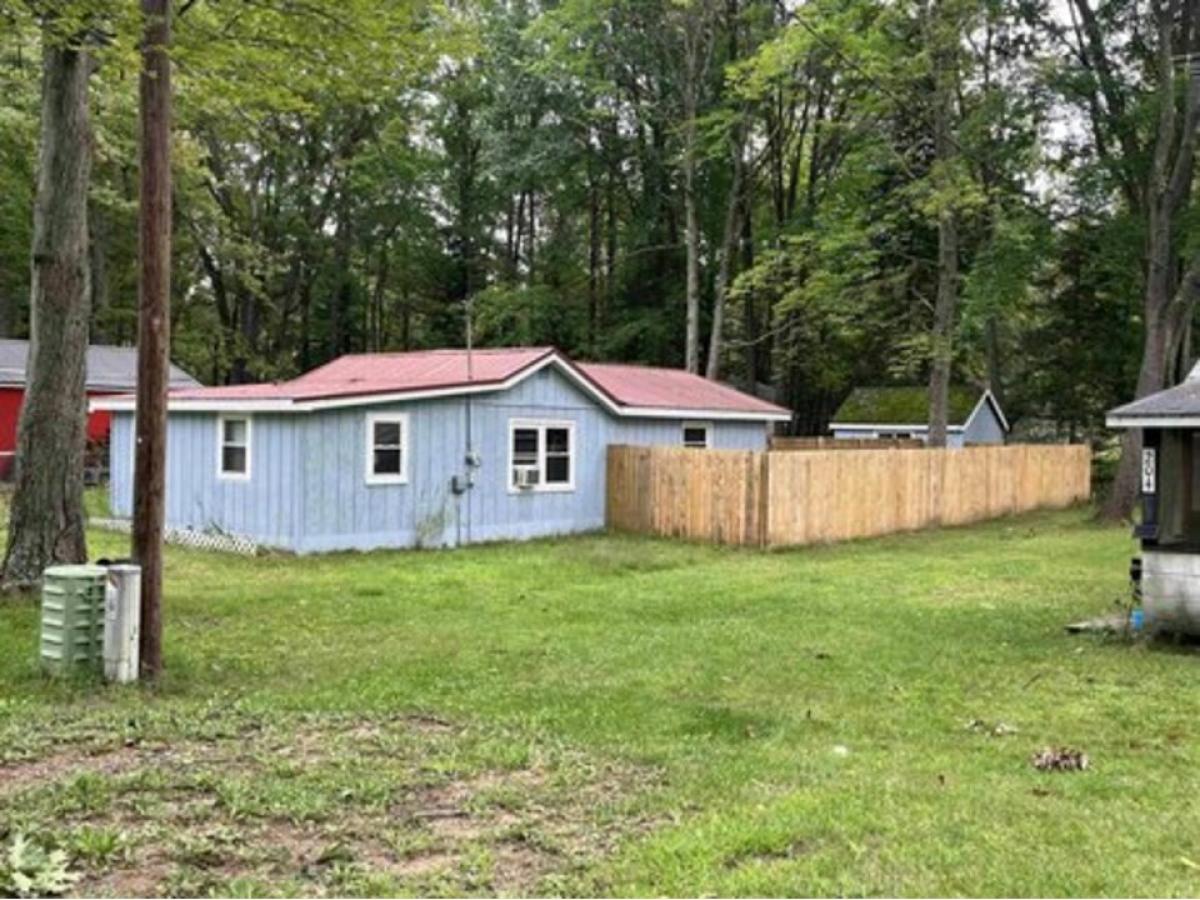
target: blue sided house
<point>973,416</point>
<point>430,448</point>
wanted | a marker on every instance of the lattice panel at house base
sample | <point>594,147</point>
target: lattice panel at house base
<point>189,537</point>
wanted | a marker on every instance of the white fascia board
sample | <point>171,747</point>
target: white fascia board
<point>285,405</point>
<point>1152,421</point>
<point>104,404</point>
<point>648,412</point>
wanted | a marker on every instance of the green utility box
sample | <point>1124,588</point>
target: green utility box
<point>73,618</point>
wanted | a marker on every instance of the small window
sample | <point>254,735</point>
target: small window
<point>233,447</point>
<point>541,456</point>
<point>387,448</point>
<point>696,434</point>
<point>558,456</point>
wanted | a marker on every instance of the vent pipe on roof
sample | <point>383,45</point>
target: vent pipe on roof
<point>1194,374</point>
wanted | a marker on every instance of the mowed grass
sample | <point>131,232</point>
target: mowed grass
<point>616,715</point>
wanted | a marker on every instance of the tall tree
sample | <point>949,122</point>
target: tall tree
<point>696,31</point>
<point>47,518</point>
<point>1169,299</point>
<point>154,323</point>
<point>942,42</point>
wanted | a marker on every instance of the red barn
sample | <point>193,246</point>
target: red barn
<point>110,370</point>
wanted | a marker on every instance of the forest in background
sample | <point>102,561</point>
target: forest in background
<point>765,191</point>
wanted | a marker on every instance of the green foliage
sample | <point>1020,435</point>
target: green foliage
<point>29,870</point>
<point>348,174</point>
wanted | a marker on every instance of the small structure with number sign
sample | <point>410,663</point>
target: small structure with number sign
<point>1169,530</point>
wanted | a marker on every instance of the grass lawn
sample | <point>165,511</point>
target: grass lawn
<point>615,715</point>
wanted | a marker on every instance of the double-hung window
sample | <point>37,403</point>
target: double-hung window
<point>696,434</point>
<point>233,448</point>
<point>541,455</point>
<point>387,448</point>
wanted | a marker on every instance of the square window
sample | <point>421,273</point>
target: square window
<point>387,434</point>
<point>558,469</point>
<point>387,448</point>
<point>235,431</point>
<point>525,442</point>
<point>233,452</point>
<point>695,434</point>
<point>540,456</point>
<point>387,462</point>
<point>233,460</point>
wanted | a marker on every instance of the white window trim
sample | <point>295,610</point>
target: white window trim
<point>708,428</point>
<point>369,441</point>
<point>573,455</point>
<point>222,475</point>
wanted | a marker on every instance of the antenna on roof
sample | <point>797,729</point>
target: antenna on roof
<point>469,304</point>
<point>471,457</point>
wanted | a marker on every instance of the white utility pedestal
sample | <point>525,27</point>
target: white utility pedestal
<point>122,622</point>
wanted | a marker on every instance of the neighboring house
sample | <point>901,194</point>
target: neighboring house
<point>423,448</point>
<point>110,370</point>
<point>973,416</point>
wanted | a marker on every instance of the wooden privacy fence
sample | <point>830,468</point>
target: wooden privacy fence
<point>781,498</point>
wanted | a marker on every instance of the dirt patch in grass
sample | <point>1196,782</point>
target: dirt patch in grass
<point>17,776</point>
<point>316,806</point>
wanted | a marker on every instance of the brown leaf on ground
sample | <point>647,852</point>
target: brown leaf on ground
<point>1059,759</point>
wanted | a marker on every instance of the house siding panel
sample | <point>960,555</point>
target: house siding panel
<point>260,508</point>
<point>984,427</point>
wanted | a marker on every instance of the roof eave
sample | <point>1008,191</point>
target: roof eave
<point>1152,420</point>
<point>662,412</point>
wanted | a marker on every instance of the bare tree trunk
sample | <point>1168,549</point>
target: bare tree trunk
<point>729,246</point>
<point>1166,308</point>
<point>593,262</point>
<point>98,273</point>
<point>697,49</point>
<point>692,228</point>
<point>47,521</point>
<point>942,336</point>
<point>154,324</point>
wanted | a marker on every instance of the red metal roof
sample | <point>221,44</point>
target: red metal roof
<point>365,375</point>
<point>647,387</point>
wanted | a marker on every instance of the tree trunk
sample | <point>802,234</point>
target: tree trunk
<point>47,520</point>
<point>98,273</point>
<point>697,45</point>
<point>729,246</point>
<point>942,337</point>
<point>692,227</point>
<point>1124,491</point>
<point>593,263</point>
<point>1166,307</point>
<point>154,324</point>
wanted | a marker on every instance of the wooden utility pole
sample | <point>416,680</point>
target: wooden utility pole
<point>154,327</point>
